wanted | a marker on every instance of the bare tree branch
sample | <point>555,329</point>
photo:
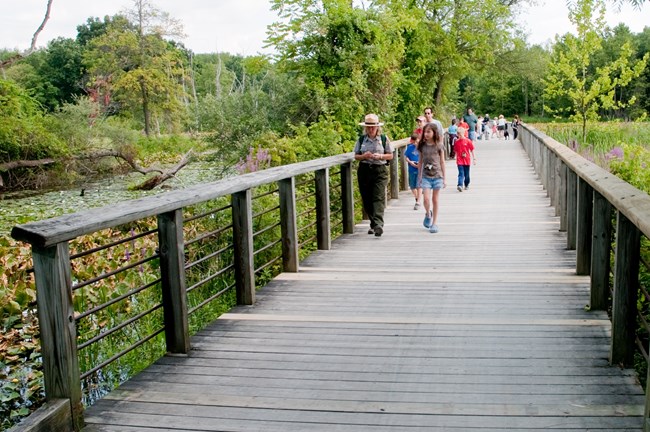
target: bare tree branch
<point>40,28</point>
<point>32,47</point>
<point>156,180</point>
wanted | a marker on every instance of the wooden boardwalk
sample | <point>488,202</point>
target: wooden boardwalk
<point>479,327</point>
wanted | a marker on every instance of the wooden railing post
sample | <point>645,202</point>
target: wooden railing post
<point>289,225</point>
<point>551,178</point>
<point>563,189</point>
<point>558,186</point>
<point>347,198</point>
<point>601,241</point>
<point>583,229</point>
<point>572,209</point>
<point>57,327</point>
<point>544,169</point>
<point>626,285</point>
<point>242,223</point>
<point>394,176</point>
<point>403,170</point>
<point>646,415</point>
<point>323,231</point>
<point>172,273</point>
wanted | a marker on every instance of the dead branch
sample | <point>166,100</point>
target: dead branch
<point>8,166</point>
<point>32,47</point>
<point>159,179</point>
<point>41,27</point>
<point>146,185</point>
<point>127,158</point>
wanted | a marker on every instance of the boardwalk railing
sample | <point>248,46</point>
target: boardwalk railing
<point>145,270</point>
<point>586,198</point>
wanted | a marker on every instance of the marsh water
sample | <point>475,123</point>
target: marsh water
<point>27,206</point>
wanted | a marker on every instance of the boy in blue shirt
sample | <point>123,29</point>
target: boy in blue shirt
<point>412,157</point>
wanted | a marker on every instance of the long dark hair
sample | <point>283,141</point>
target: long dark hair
<point>436,135</point>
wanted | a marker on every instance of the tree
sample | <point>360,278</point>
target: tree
<point>516,89</point>
<point>139,66</point>
<point>571,76</point>
<point>349,58</point>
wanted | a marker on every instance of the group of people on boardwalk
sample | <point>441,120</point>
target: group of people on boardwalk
<point>425,156</point>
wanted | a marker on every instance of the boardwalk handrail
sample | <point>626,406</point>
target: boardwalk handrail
<point>53,270</point>
<point>584,196</point>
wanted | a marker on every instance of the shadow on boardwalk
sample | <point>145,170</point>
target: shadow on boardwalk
<point>479,327</point>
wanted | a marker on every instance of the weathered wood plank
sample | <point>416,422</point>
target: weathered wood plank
<point>347,198</point>
<point>288,224</point>
<point>626,286</point>
<point>600,252</point>
<point>57,327</point>
<point>172,271</point>
<point>53,416</point>
<point>323,231</point>
<point>242,225</point>
<point>584,227</point>
<point>482,326</point>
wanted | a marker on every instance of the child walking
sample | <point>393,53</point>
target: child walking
<point>412,157</point>
<point>431,173</point>
<point>464,155</point>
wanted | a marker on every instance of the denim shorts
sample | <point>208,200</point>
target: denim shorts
<point>431,183</point>
<point>413,180</point>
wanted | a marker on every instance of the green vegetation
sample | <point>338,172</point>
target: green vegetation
<point>571,76</point>
<point>125,85</point>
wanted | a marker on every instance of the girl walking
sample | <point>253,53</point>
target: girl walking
<point>431,173</point>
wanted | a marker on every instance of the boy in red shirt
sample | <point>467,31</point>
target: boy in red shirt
<point>464,149</point>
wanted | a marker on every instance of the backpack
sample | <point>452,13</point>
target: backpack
<point>383,142</point>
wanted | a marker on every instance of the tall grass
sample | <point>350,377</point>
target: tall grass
<point>601,137</point>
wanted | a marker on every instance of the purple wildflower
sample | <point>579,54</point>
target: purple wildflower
<point>255,161</point>
<point>615,153</point>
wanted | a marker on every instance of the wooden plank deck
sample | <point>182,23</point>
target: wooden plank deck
<point>479,327</point>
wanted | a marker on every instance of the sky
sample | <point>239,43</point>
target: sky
<point>239,26</point>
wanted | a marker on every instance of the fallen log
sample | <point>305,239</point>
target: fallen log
<point>163,176</point>
<point>148,184</point>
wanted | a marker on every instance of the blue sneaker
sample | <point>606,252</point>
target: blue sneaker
<point>427,221</point>
<point>433,228</point>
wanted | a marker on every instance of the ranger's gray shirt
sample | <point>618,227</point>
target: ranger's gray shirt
<point>373,145</point>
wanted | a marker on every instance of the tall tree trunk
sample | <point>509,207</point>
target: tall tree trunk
<point>217,78</point>
<point>145,108</point>
<point>437,93</point>
<point>196,99</point>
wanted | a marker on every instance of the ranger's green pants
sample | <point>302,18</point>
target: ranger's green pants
<point>373,180</point>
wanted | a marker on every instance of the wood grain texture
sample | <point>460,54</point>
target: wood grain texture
<point>53,416</point>
<point>57,327</point>
<point>481,326</point>
<point>172,272</point>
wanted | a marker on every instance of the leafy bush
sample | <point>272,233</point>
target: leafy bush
<point>23,130</point>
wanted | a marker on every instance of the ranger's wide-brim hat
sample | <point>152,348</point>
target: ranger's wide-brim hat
<point>371,120</point>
